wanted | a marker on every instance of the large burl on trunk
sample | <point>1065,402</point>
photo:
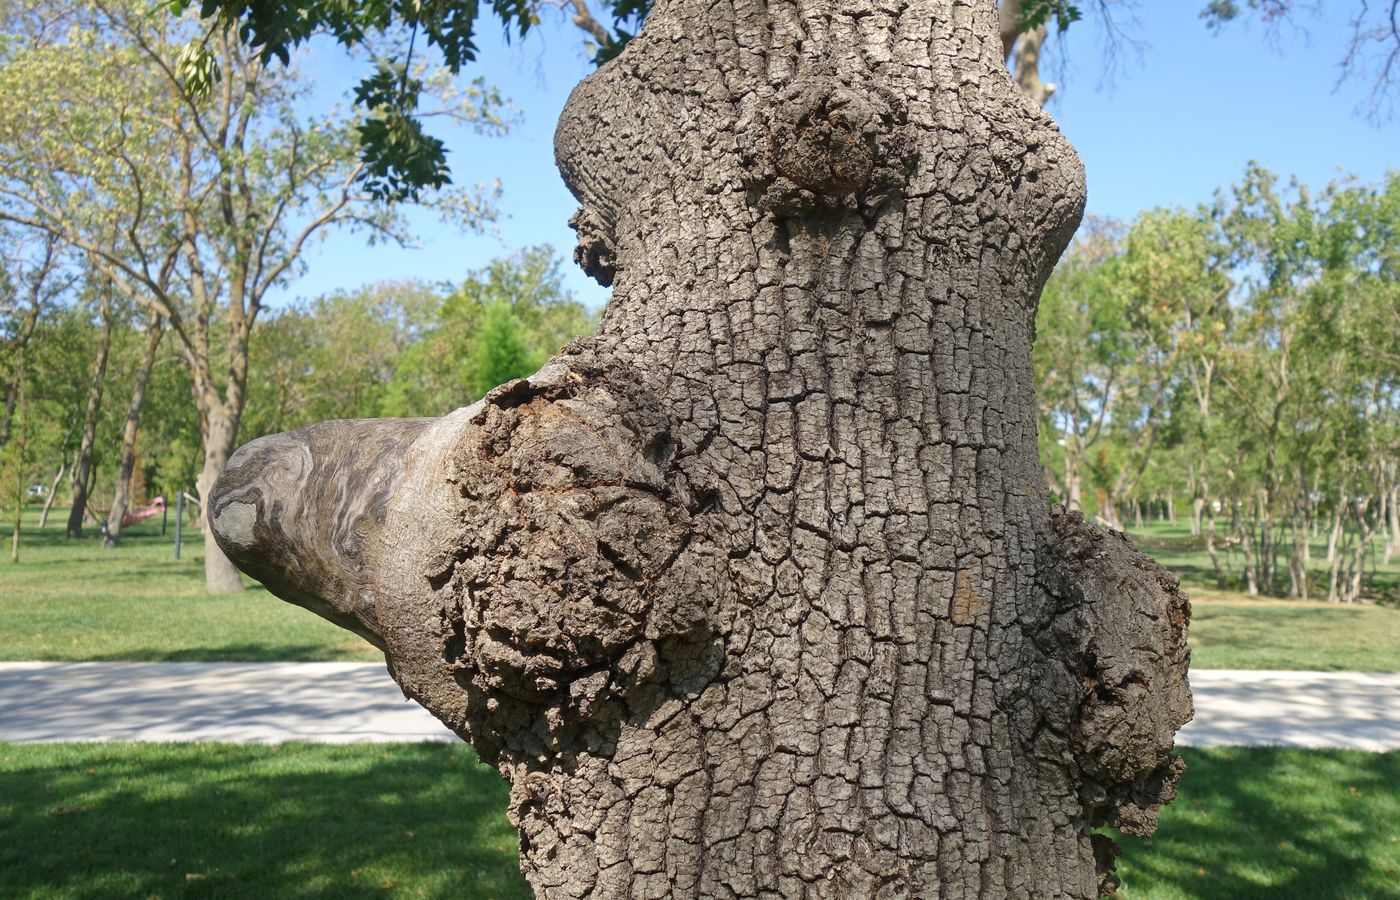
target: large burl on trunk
<point>757,593</point>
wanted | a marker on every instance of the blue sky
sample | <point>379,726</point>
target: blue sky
<point>1179,118</point>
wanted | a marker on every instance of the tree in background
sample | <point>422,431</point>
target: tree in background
<point>498,350</point>
<point>410,348</point>
<point>131,428</point>
<point>521,299</point>
<point>83,471</point>
<point>1262,329</point>
<point>194,198</point>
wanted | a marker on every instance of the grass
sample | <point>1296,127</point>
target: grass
<point>1167,542</point>
<point>427,820</point>
<point>73,600</point>
<point>1256,822</point>
<point>223,820</point>
<point>1231,630</point>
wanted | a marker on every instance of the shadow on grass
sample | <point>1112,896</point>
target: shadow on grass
<point>1262,822</point>
<point>218,820</point>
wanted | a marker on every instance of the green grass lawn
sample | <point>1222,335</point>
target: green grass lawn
<point>1236,632</point>
<point>1230,630</point>
<point>427,820</point>
<point>73,600</point>
<point>69,600</point>
<point>1167,544</point>
<point>1291,824</point>
<point>224,820</point>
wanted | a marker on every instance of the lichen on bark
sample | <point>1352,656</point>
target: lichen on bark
<point>757,593</point>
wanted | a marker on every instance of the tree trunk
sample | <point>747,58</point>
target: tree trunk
<point>79,477</point>
<point>122,495</point>
<point>19,466</point>
<point>1074,483</point>
<point>1298,561</point>
<point>220,431</point>
<point>1393,519</point>
<point>757,593</point>
<point>1335,533</point>
<point>53,486</point>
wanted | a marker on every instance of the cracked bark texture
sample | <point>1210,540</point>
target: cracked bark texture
<point>757,593</point>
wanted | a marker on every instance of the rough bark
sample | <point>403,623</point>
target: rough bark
<point>219,430</point>
<point>757,593</point>
<point>80,475</point>
<point>121,496</point>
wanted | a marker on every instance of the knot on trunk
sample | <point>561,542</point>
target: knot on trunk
<point>578,555</point>
<point>595,252</point>
<point>831,146</point>
<point>1119,626</point>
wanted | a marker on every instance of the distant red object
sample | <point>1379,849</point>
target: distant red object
<point>141,513</point>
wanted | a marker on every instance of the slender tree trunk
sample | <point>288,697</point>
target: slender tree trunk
<point>1297,561</point>
<point>1393,518</point>
<point>757,593</point>
<point>220,433</point>
<point>1074,484</point>
<point>19,470</point>
<point>14,533</point>
<point>1212,549</point>
<point>53,488</point>
<point>122,495</point>
<point>1335,533</point>
<point>82,463</point>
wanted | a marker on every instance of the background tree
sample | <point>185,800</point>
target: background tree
<point>212,190</point>
<point>83,471</point>
<point>1270,315</point>
<point>131,426</point>
<point>499,354</point>
<point>409,348</point>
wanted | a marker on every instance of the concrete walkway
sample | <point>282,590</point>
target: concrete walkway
<point>351,702</point>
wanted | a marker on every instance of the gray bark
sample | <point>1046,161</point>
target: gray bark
<point>80,474</point>
<point>53,486</point>
<point>121,497</point>
<point>220,428</point>
<point>757,593</point>
<point>1393,524</point>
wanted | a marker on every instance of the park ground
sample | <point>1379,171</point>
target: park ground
<point>76,601</point>
<point>427,820</point>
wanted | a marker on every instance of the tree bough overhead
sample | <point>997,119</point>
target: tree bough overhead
<point>757,593</point>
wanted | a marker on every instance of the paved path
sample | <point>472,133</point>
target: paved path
<point>349,702</point>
